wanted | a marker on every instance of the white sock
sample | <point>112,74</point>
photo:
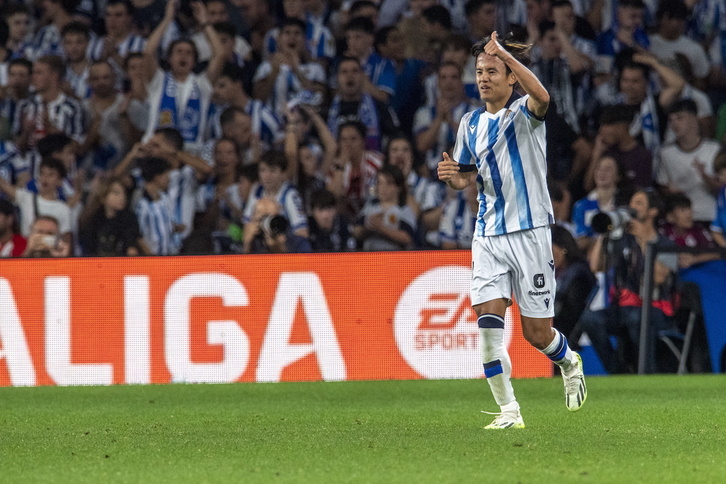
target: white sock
<point>559,352</point>
<point>497,364</point>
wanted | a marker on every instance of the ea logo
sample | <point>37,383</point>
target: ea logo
<point>435,328</point>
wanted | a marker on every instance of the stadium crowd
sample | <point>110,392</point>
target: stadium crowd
<point>147,127</point>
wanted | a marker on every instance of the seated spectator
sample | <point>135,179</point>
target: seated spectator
<point>154,208</point>
<point>575,282</point>
<point>272,184</point>
<point>45,239</point>
<point>353,172</point>
<point>718,227</point>
<point>329,229</point>
<point>386,222</point>
<point>686,165</point>
<point>12,244</point>
<point>680,228</point>
<point>107,227</point>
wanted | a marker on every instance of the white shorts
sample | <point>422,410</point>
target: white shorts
<point>518,264</point>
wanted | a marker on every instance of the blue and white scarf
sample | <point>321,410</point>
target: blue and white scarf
<point>188,123</point>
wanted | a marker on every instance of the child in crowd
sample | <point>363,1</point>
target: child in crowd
<point>154,211</point>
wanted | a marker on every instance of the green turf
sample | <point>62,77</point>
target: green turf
<point>632,429</point>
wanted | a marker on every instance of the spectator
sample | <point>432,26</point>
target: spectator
<point>481,16</point>
<point>686,165</point>
<point>12,244</point>
<point>670,39</point>
<point>386,222</point>
<point>60,147</point>
<point>457,49</point>
<point>351,103</point>
<point>289,70</point>
<point>458,218</point>
<point>45,201</point>
<point>272,175</point>
<point>353,173</point>
<point>718,227</point>
<point>107,226</point>
<point>410,27</point>
<point>626,32</point>
<point>45,240</point>
<point>436,127</point>
<point>680,229</point>
<point>75,38</point>
<point>610,192</point>
<point>329,229</point>
<point>615,139</point>
<point>179,97</point>
<point>47,40</point>
<point>229,91</point>
<point>49,110</point>
<point>16,90</point>
<point>622,318</point>
<point>218,16</point>
<point>435,27</point>
<point>275,237</point>
<point>17,16</point>
<point>237,125</point>
<point>575,282</point>
<point>380,75</point>
<point>120,39</point>
<point>154,208</point>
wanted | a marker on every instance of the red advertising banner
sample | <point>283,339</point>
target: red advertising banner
<point>302,317</point>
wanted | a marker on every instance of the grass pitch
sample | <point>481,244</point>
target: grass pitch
<point>632,429</point>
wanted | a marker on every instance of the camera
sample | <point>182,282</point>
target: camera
<point>612,222</point>
<point>274,225</point>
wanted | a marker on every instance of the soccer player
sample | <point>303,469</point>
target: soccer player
<point>501,147</point>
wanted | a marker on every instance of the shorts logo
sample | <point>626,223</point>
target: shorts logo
<point>539,281</point>
<point>547,302</point>
<point>435,327</point>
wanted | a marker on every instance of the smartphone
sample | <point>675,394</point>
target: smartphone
<point>50,240</point>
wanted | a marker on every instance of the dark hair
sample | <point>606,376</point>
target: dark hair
<point>54,164</point>
<point>396,175</point>
<point>472,6</point>
<point>11,9</point>
<point>458,42</point>
<point>395,137</point>
<point>518,50</point>
<point>4,32</point>
<point>644,69</point>
<point>274,225</point>
<point>229,113</point>
<point>676,200</point>
<point>152,166</point>
<point>173,136</point>
<point>438,14</point>
<point>183,40</point>
<point>52,143</point>
<point>346,58</point>
<point>632,3</point>
<point>293,21</point>
<point>617,114</point>
<point>274,159</point>
<point>357,125</point>
<point>674,9</point>
<point>562,3</point>
<point>126,3</point>
<point>76,28</point>
<point>563,238</point>
<point>55,63</point>
<point>6,207</point>
<point>232,72</point>
<point>360,24</point>
<point>361,4</point>
<point>225,28</point>
<point>21,61</point>
<point>654,200</point>
<point>684,106</point>
<point>322,199</point>
<point>382,35</point>
<point>68,5</point>
<point>545,26</point>
<point>249,172</point>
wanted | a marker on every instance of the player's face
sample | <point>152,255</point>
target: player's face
<point>494,82</point>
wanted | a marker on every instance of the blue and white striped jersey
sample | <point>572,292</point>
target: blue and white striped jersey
<point>289,199</point>
<point>507,149</point>
<point>155,222</point>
